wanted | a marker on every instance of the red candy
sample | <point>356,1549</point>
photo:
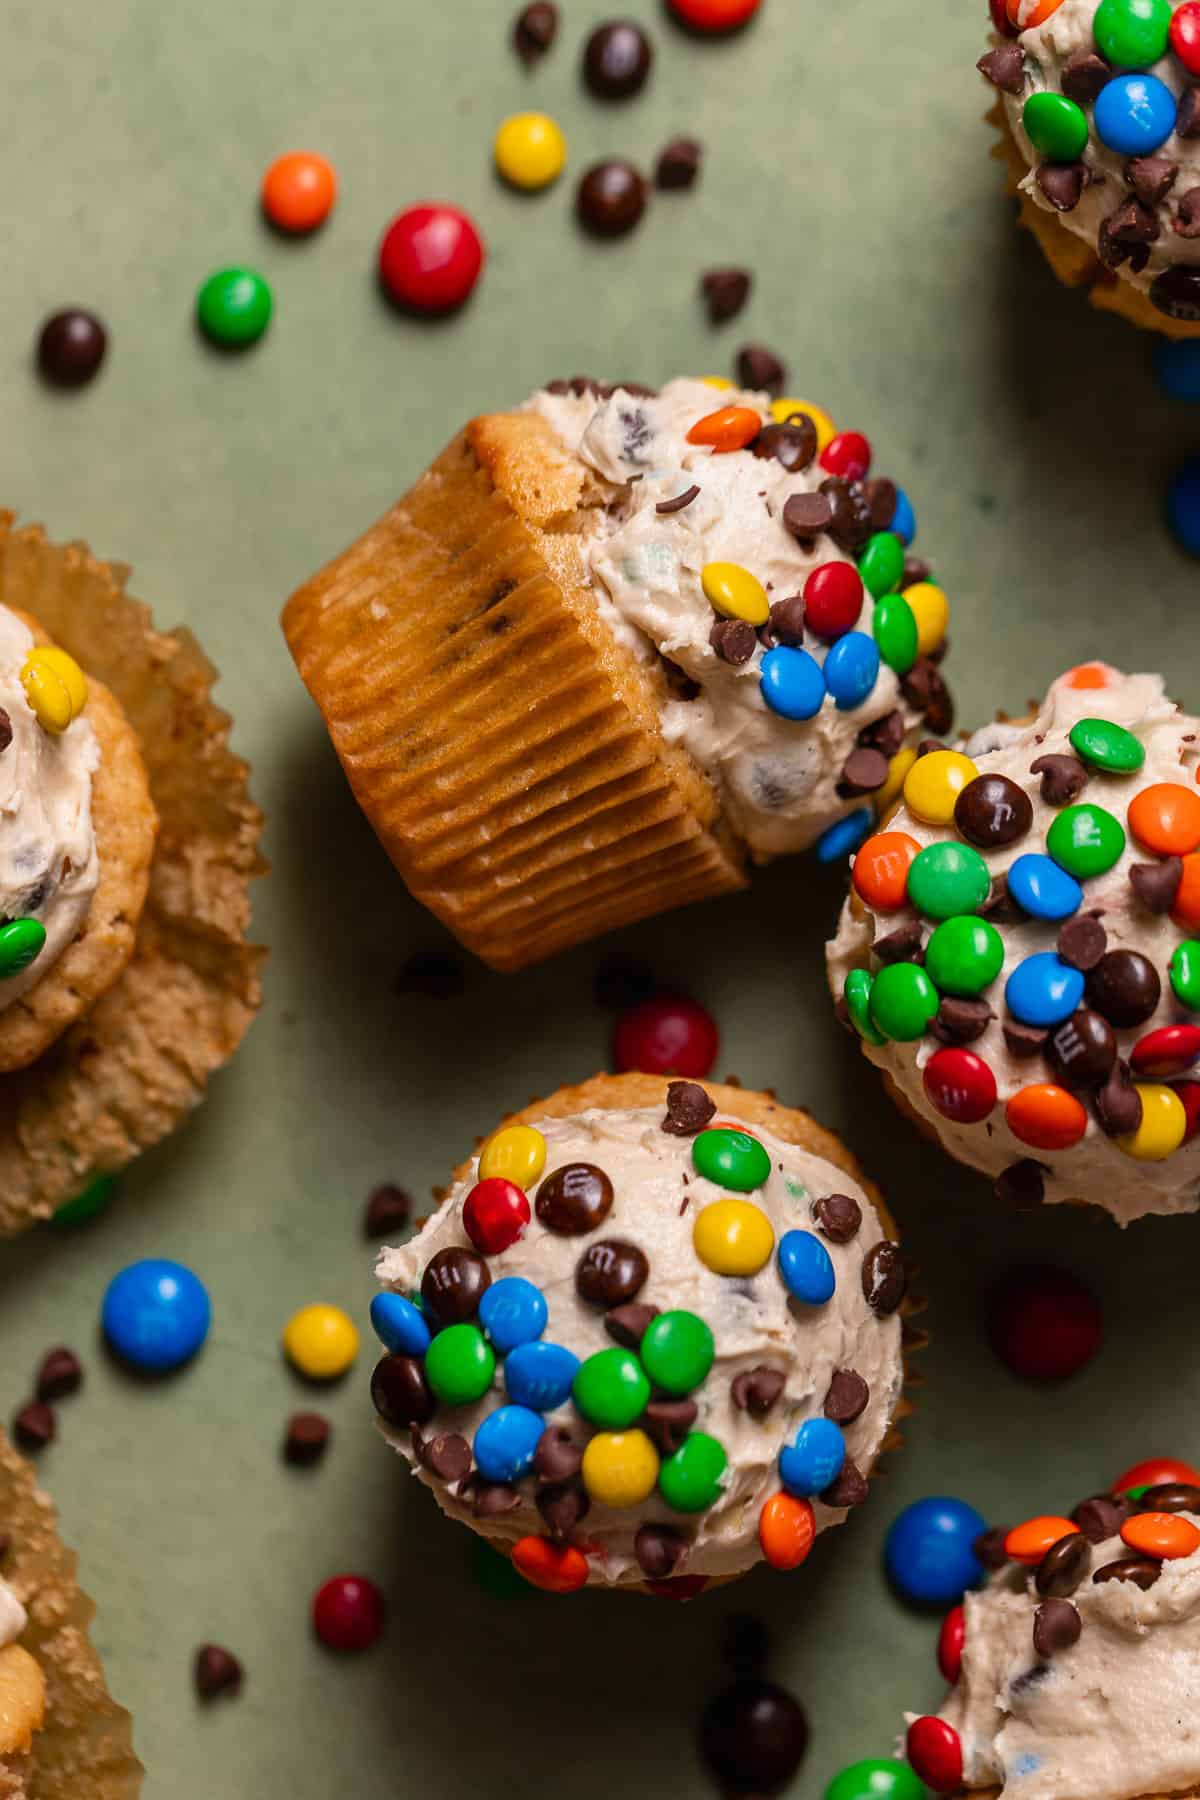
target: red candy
<point>1189,1093</point>
<point>714,15</point>
<point>961,1086</point>
<point>1000,19</point>
<point>848,455</point>
<point>1185,36</point>
<point>833,597</point>
<point>1157,1471</point>
<point>1168,1051</point>
<point>430,258</point>
<point>935,1752</point>
<point>347,1613</point>
<point>951,1639</point>
<point>555,1568</point>
<point>495,1213</point>
<point>665,1036</point>
<point>1045,1325</point>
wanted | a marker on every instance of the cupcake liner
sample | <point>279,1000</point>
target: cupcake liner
<point>126,1074</point>
<point>84,1750</point>
<point>504,746</point>
<point>1070,258</point>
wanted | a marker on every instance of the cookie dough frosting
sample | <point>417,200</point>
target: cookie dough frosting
<point>1099,98</point>
<point>742,540</point>
<point>680,1353</point>
<point>1020,953</point>
<point>48,863</point>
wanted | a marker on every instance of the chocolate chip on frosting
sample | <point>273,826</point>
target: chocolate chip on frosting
<point>678,502</point>
<point>756,1390</point>
<point>787,621</point>
<point>447,1455</point>
<point>489,1499</point>
<point>1151,177</point>
<point>1186,223</point>
<point>1004,67</point>
<point>562,1505</point>
<point>884,1281</point>
<point>726,291</point>
<point>989,1547</point>
<point>886,734</point>
<point>733,640</point>
<point>1117,1104</point>
<point>1187,118</point>
<point>793,445</point>
<point>668,1422</point>
<point>881,498</point>
<point>760,368</point>
<point>1082,941</point>
<point>1156,884</point>
<point>850,526</point>
<point>1056,1626</point>
<point>1063,778</point>
<point>837,1216</point>
<point>1083,75</point>
<point>1064,1566</point>
<point>863,772</point>
<point>1100,1517</point>
<point>905,944</point>
<point>1175,291</point>
<point>1138,1569</point>
<point>557,1456</point>
<point>1000,907</point>
<point>1022,1185</point>
<point>960,1020</point>
<point>659,1550</point>
<point>1133,222</point>
<point>915,569</point>
<point>849,1487</point>
<point>1024,1041</point>
<point>807,514</point>
<point>847,1397</point>
<point>627,1325</point>
<point>1062,184</point>
<point>688,1109</point>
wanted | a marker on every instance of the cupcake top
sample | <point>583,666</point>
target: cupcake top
<point>678,1354</point>
<point>48,863</point>
<point>1075,1668</point>
<point>1100,101</point>
<point>743,540</point>
<point>1020,952</point>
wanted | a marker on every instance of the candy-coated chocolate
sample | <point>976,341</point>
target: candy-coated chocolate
<point>460,1365</point>
<point>1168,1051</point>
<point>1132,34</point>
<point>430,258</point>
<point>727,429</point>
<point>786,1530</point>
<point>453,1284</point>
<point>951,1638</point>
<point>400,1393</point>
<point>539,1375</point>
<point>610,1272</point>
<point>1085,840</point>
<point>1042,889</point>
<point>512,1311</point>
<point>1185,36</point>
<point>895,630</point>
<point>233,308</point>
<point>960,1085</point>
<point>833,599</point>
<point>21,943</point>
<point>517,1153</point>
<point>71,346</point>
<point>1165,818</point>
<point>851,669</point>
<point>733,1237</point>
<point>1043,990</point>
<point>1164,1535</point>
<point>848,454</point>
<point>929,1552</point>
<point>792,683</point>
<point>620,1468</point>
<point>1107,746</point>
<point>714,15</point>
<point>964,955</point>
<point>1163,1124</point>
<point>735,593</point>
<point>611,1389</point>
<point>875,1778</point>
<point>881,563</point>
<point>1185,973</point>
<point>1045,1325</point>
<point>731,1158</point>
<point>1028,1542</point>
<point>348,1613</point>
<point>556,1568</point>
<point>1186,908</point>
<point>1189,1097</point>
<point>934,782</point>
<point>156,1314</point>
<point>814,1458</point>
<point>1133,115</point>
<point>993,811</point>
<point>929,607</point>
<point>948,878</point>
<point>904,519</point>
<point>1046,1116</point>
<point>677,1351</point>
<point>495,1214</point>
<point>856,992</point>
<point>903,1001</point>
<point>881,869</point>
<point>298,191</point>
<point>505,1442</point>
<point>668,1035</point>
<point>691,1479</point>
<point>55,687</point>
<point>399,1325</point>
<point>844,836</point>
<point>320,1341</point>
<point>530,150</point>
<point>1055,125</point>
<point>806,1268</point>
<point>1156,1471</point>
<point>1177,360</point>
<point>87,1204</point>
<point>934,1749</point>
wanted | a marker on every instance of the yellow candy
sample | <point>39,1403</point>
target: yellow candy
<point>721,382</point>
<point>55,688</point>
<point>733,1237</point>
<point>530,150</point>
<point>735,593</point>
<point>781,411</point>
<point>518,1153</point>
<point>320,1341</point>
<point>620,1468</point>
<point>1163,1125</point>
<point>932,613</point>
<point>898,768</point>
<point>934,782</point>
<point>68,671</point>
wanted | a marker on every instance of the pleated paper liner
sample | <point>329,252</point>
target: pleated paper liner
<point>504,746</point>
<point>85,1748</point>
<point>1074,263</point>
<point>996,1794</point>
<point>126,1074</point>
<point>619,1093</point>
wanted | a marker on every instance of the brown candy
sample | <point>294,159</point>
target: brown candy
<point>557,1456</point>
<point>847,1397</point>
<point>1082,941</point>
<point>453,1284</point>
<point>60,1373</point>
<point>34,1426</point>
<point>562,1504</point>
<point>1064,1565</point>
<point>837,1216</point>
<point>1171,1497</point>
<point>992,811</point>
<point>688,1109</point>
<point>886,734</point>
<point>760,368</point>
<point>1125,987</point>
<point>668,1422</point>
<point>1056,1626</point>
<point>725,291</point>
<point>753,1737</point>
<point>1118,1105</point>
<point>989,1547</point>
<point>1063,778</point>
<point>388,1209</point>
<point>1022,1185</point>
<point>849,1488</point>
<point>1138,1569</point>
<point>611,1271</point>
<point>400,1393</point>
<point>534,30</point>
<point>627,1325</point>
<point>884,1282</point>
<point>1187,118</point>
<point>447,1455</point>
<point>863,772</point>
<point>1156,884</point>
<point>678,164</point>
<point>616,60</point>
<point>881,498</point>
<point>216,1671</point>
<point>756,1390</point>
<point>610,198</point>
<point>1004,67</point>
<point>306,1439</point>
<point>659,1550</point>
<point>1100,1517</point>
<point>574,1199</point>
<point>1082,1049</point>
<point>792,446</point>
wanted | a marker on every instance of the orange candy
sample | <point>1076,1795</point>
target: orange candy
<point>1046,1116</point>
<point>1186,910</point>
<point>1166,818</point>
<point>1165,1535</point>
<point>729,428</point>
<point>881,869</point>
<point>298,191</point>
<point>1028,1543</point>
<point>1154,1472</point>
<point>786,1530</point>
<point>1026,14</point>
<point>558,1568</point>
<point>1085,675</point>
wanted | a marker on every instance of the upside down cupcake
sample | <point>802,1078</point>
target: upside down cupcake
<point>651,1337</point>
<point>1074,1670</point>
<point>1020,952</point>
<point>613,643</point>
<point>1098,113</point>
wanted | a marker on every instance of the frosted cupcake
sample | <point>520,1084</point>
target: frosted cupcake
<point>616,642</point>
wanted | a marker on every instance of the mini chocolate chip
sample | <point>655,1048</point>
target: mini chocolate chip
<point>992,811</point>
<point>678,164</point>
<point>838,1217</point>
<point>1062,184</point>
<point>925,690</point>
<point>756,1390</point>
<point>433,974</point>
<point>1024,1041</point>
<point>617,58</point>
<point>1000,907</point>
<point>400,1393</point>
<point>534,30</point>
<point>60,1373</point>
<point>806,514</point>
<point>884,1282</point>
<point>35,1426</point>
<point>1083,75</point>
<point>905,944</point>
<point>850,526</point>
<point>787,620</point>
<point>960,1021</point>
<point>1022,1185</point>
<point>216,1671</point>
<point>1083,1049</point>
<point>680,501</point>
<point>1151,177</point>
<point>849,1488</point>
<point>847,1397</point>
<point>1100,1517</point>
<point>886,734</point>
<point>1176,291</point>
<point>490,1499</point>
<point>733,640</point>
<point>557,1456</point>
<point>1124,986</point>
<point>688,1109</point>
<point>562,1504</point>
<point>668,1422</point>
<point>1064,1566</point>
<point>863,772</point>
<point>791,446</point>
<point>306,1439</point>
<point>760,369</point>
<point>574,1199</point>
<point>1056,1626</point>
<point>1171,1497</point>
<point>1118,1105</point>
<point>1082,941</point>
<point>1138,1569</point>
<point>627,1325</point>
<point>453,1284</point>
<point>989,1547</point>
<point>881,498</point>
<point>1187,118</point>
<point>610,198</point>
<point>1156,884</point>
<point>659,1550</point>
<point>1063,778</point>
<point>388,1209</point>
<point>1004,67</point>
<point>725,291</point>
<point>447,1455</point>
<point>611,1271</point>
<point>6,730</point>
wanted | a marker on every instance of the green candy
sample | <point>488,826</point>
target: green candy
<point>611,1389</point>
<point>1132,34</point>
<point>857,994</point>
<point>1085,840</point>
<point>964,955</point>
<point>89,1203</point>
<point>1055,126</point>
<point>677,1351</point>
<point>233,308</point>
<point>1185,973</point>
<point>881,564</point>
<point>459,1365</point>
<point>903,1000</point>
<point>21,943</point>
<point>1109,747</point>
<point>691,1479</point>
<point>948,878</point>
<point>895,632</point>
<point>877,1778</point>
<point>732,1159</point>
<point>1135,1493</point>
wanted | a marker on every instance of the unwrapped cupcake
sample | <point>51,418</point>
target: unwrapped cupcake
<point>651,1337</point>
<point>615,642</point>
<point>1020,951</point>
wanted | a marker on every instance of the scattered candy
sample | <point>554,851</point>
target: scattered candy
<point>1132,34</point>
<point>1056,126</point>
<point>530,151</point>
<point>617,58</point>
<point>60,1374</point>
<point>666,1036</point>
<point>540,1375</point>
<point>387,1211</point>
<point>792,682</point>
<point>1170,1050</point>
<point>88,1204</point>
<point>1163,1124</point>
<point>714,15</point>
<point>620,1468</point>
<point>951,1639</point>
<point>1165,817</point>
<point>964,955</point>
<point>833,599</point>
<point>216,1671</point>
<point>857,994</point>
<point>55,687</point>
<point>233,308</point>
<point>306,1439</point>
<point>1045,1116</point>
<point>460,1365</point>
<point>430,258</point>
<point>348,1613</point>
<point>1184,971</point>
<point>299,191</point>
<point>71,347</point>
<point>1183,505</point>
<point>1107,746</point>
<point>21,943</point>
<point>1161,1534</point>
<point>934,1749</point>
<point>691,1479</point>
<point>960,1085</point>
<point>506,1439</point>
<point>1029,1542</point>
<point>875,1778</point>
<point>895,630</point>
<point>929,1553</point>
<point>844,836</point>
<point>611,198</point>
<point>733,1237</point>
<point>881,869</point>
<point>1133,115</point>
<point>934,783</point>
<point>611,1389</point>
<point>677,1351</point>
<point>903,1001</point>
<point>881,563</point>
<point>1156,1471</point>
<point>34,1426</point>
<point>851,669</point>
<point>814,1458</point>
<point>735,593</point>
<point>1085,840</point>
<point>806,1268</point>
<point>931,610</point>
<point>399,1325</point>
<point>1045,1325</point>
<point>320,1342</point>
<point>535,29</point>
<point>786,1530</point>
<point>1043,990</point>
<point>156,1314</point>
<point>556,1568</point>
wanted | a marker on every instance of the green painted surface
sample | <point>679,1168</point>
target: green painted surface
<point>848,165</point>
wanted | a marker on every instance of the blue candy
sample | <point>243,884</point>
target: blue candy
<point>806,1267</point>
<point>904,519</point>
<point>1043,990</point>
<point>156,1314</point>
<point>1183,505</point>
<point>844,835</point>
<point>399,1325</point>
<point>814,1460</point>
<point>791,683</point>
<point>1177,366</point>
<point>1042,889</point>
<point>1134,114</point>
<point>540,1375</point>
<point>929,1554</point>
<point>851,669</point>
<point>505,1442</point>
<point>511,1312</point>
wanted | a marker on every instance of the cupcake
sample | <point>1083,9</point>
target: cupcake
<point>1099,127</point>
<point>127,842</point>
<point>1020,951</point>
<point>616,642</point>
<point>651,1337</point>
<point>62,1737</point>
<point>1074,1670</point>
